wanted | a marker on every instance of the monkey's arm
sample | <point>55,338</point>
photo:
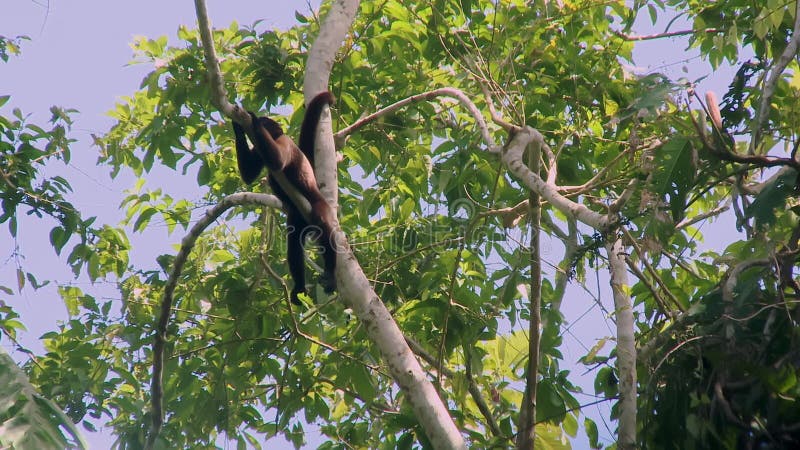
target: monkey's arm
<point>250,164</point>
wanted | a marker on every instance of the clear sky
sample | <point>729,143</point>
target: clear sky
<point>79,58</point>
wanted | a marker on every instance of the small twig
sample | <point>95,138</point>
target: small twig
<point>653,272</point>
<point>650,287</point>
<point>511,215</point>
<point>416,251</point>
<point>573,190</point>
<point>669,34</point>
<point>706,215</point>
<point>496,117</point>
<point>676,348</point>
<point>681,264</point>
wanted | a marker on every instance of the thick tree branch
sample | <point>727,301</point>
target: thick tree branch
<point>626,345</point>
<point>319,62</point>
<point>512,158</point>
<point>322,53</point>
<point>354,287</point>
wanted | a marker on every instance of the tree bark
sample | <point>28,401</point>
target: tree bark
<point>626,345</point>
<point>526,436</point>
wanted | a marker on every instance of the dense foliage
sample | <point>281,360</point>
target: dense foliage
<point>426,209</point>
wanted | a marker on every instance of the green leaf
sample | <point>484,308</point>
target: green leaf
<point>591,357</point>
<point>591,433</point>
<point>30,420</point>
<point>20,279</point>
<point>204,174</point>
<point>674,173</point>
<point>58,238</point>
<point>651,9</point>
<point>466,8</point>
<point>771,199</point>
<point>144,218</point>
<point>570,424</point>
<point>72,299</point>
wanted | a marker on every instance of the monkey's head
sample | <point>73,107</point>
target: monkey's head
<point>271,126</point>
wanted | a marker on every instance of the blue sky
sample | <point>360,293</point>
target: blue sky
<point>79,58</point>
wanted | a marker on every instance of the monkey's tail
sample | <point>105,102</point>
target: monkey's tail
<point>310,121</point>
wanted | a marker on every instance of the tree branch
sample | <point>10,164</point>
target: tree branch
<point>526,434</point>
<point>626,344</point>
<point>156,388</point>
<point>732,277</point>
<point>472,386</point>
<point>219,97</point>
<point>319,62</point>
<point>512,158</point>
<point>441,92</point>
<point>669,34</point>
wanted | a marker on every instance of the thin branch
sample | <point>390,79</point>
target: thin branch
<point>616,206</point>
<point>496,117</point>
<point>669,34</point>
<point>526,435</point>
<point>418,250</point>
<point>650,287</point>
<point>706,215</point>
<point>472,386</point>
<point>441,92</point>
<point>571,246</point>
<point>552,161</point>
<point>682,264</point>
<point>572,190</point>
<point>733,275</point>
<point>511,215</point>
<point>653,272</point>
<point>373,404</point>
<point>157,392</point>
<point>219,97</point>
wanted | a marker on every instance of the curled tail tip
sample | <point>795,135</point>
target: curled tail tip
<point>324,97</point>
